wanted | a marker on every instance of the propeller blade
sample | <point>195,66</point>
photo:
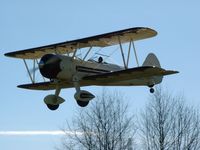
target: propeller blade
<point>34,70</point>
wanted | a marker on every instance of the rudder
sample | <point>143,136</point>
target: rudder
<point>151,60</point>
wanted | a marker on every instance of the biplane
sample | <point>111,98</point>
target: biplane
<point>61,68</point>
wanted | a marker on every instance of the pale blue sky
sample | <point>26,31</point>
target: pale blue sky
<point>25,24</point>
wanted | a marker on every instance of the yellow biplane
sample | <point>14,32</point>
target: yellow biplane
<point>61,68</point>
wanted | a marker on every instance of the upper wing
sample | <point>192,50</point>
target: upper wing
<point>102,40</point>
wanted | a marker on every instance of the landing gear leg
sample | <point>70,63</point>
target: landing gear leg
<point>53,101</point>
<point>57,92</point>
<point>78,89</point>
<point>54,107</point>
<point>77,86</point>
<point>82,97</point>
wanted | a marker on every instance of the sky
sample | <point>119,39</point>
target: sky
<point>26,24</point>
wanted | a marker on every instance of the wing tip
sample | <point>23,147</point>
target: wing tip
<point>21,86</point>
<point>6,54</point>
<point>149,29</point>
<point>176,72</point>
<point>9,54</point>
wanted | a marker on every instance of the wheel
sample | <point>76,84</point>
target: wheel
<point>82,103</point>
<point>100,60</point>
<point>151,90</point>
<point>52,107</point>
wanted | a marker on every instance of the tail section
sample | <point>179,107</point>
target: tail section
<point>152,60</point>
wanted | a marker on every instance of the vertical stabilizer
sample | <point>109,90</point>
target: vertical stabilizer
<point>151,60</point>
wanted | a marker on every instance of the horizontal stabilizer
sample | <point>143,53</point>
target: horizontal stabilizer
<point>169,72</point>
<point>130,74</point>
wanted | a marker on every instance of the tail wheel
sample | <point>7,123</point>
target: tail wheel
<point>151,90</point>
<point>82,103</point>
<point>52,107</point>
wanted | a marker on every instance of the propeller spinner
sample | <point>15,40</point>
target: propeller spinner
<point>49,66</point>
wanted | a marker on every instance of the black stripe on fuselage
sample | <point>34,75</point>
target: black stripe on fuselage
<point>90,70</point>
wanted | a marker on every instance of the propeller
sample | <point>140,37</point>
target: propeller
<point>49,66</point>
<point>44,61</point>
<point>32,70</point>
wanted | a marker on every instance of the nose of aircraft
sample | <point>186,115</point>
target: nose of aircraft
<point>49,66</point>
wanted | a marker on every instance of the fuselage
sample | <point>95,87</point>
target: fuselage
<point>63,67</point>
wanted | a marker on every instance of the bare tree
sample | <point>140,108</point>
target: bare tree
<point>168,124</point>
<point>105,125</point>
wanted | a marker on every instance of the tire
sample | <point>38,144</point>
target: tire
<point>52,107</point>
<point>151,90</point>
<point>82,103</point>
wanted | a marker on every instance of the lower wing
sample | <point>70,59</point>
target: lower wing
<point>134,76</point>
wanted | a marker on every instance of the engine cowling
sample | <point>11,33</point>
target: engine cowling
<point>49,66</point>
<point>57,67</point>
<point>84,96</point>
